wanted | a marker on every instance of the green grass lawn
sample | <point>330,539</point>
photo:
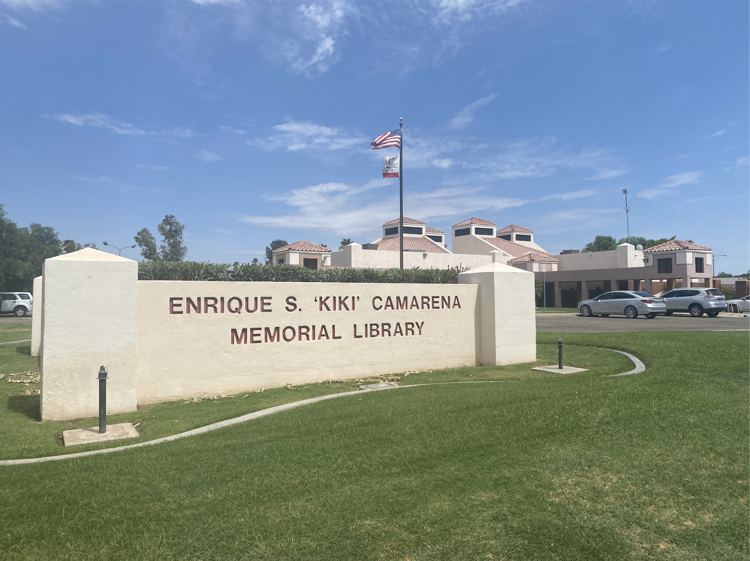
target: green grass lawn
<point>557,310</point>
<point>652,466</point>
<point>14,332</point>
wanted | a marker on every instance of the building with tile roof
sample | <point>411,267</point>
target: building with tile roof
<point>304,254</point>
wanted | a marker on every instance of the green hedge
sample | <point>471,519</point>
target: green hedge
<point>201,271</point>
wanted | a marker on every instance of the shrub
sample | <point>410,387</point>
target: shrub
<point>202,271</point>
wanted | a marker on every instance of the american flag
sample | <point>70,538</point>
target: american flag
<point>391,138</point>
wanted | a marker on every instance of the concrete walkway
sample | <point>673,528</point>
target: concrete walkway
<point>639,367</point>
<point>16,341</point>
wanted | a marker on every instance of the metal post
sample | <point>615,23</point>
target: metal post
<point>401,192</point>
<point>544,286</point>
<point>102,400</point>
<point>627,212</point>
<point>559,353</point>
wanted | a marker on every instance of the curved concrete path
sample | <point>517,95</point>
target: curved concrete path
<point>639,367</point>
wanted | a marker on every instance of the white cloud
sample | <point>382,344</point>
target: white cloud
<point>206,156</point>
<point>663,48</point>
<point>606,173</point>
<point>349,210</point>
<point>13,21</point>
<point>233,130</point>
<point>721,131</point>
<point>539,157</point>
<point>108,182</point>
<point>118,126</point>
<point>743,161</point>
<point>466,115</point>
<point>572,195</point>
<point>33,5</point>
<point>305,135</point>
<point>671,183</point>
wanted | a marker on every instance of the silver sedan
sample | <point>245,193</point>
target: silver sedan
<point>625,303</point>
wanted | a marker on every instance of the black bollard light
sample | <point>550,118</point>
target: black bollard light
<point>102,400</point>
<point>559,353</point>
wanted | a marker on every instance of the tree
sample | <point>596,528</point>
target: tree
<point>323,245</point>
<point>23,251</point>
<point>147,243</point>
<point>600,243</point>
<point>646,243</point>
<point>723,275</point>
<point>345,242</point>
<point>255,261</point>
<point>275,244</point>
<point>172,247</point>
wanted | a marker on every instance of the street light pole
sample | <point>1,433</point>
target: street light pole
<point>119,249</point>
<point>714,270</point>
<point>627,212</point>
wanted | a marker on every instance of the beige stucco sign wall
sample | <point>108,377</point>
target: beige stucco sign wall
<point>196,338</point>
<point>164,340</point>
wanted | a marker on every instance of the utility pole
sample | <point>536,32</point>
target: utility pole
<point>627,211</point>
<point>401,192</point>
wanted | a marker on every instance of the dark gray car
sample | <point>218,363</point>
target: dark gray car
<point>696,301</point>
<point>625,303</point>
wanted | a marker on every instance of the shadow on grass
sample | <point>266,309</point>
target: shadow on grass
<point>26,405</point>
<point>24,350</point>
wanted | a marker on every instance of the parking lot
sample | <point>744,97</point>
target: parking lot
<point>573,323</point>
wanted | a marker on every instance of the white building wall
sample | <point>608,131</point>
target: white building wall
<point>474,245</point>
<point>628,256</point>
<point>357,258</point>
<point>684,258</point>
<point>587,261</point>
<point>293,258</point>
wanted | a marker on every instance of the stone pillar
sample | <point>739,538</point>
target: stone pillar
<point>648,286</point>
<point>558,295</point>
<point>90,308</point>
<point>505,315</point>
<point>37,315</point>
<point>686,282</point>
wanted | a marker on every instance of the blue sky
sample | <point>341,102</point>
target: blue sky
<point>251,121</point>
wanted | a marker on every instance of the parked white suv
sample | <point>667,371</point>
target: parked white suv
<point>695,301</point>
<point>18,303</point>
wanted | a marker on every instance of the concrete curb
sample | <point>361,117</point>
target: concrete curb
<point>16,341</point>
<point>639,367</point>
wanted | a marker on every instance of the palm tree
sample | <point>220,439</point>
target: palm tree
<point>345,242</point>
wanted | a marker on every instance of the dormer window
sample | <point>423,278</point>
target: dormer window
<point>523,238</point>
<point>412,230</point>
<point>438,239</point>
<point>505,237</point>
<point>462,232</point>
<point>392,231</point>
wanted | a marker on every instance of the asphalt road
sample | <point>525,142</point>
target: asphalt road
<point>573,323</point>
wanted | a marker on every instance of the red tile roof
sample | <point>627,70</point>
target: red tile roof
<point>303,246</point>
<point>474,220</point>
<point>514,228</point>
<point>533,256</point>
<point>407,220</point>
<point>410,243</point>
<point>676,245</point>
<point>517,250</point>
<point>429,230</point>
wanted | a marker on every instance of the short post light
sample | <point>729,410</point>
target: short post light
<point>559,353</point>
<point>102,399</point>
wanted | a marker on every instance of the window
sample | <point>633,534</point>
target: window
<point>391,231</point>
<point>24,296</point>
<point>691,292</point>
<point>310,263</point>
<point>523,238</point>
<point>665,265</point>
<point>699,264</point>
<point>622,285</point>
<point>463,232</point>
<point>280,262</point>
<point>505,237</point>
<point>671,294</point>
<point>483,231</point>
<point>623,296</point>
<point>714,292</point>
<point>607,296</point>
<point>438,239</point>
<point>411,230</point>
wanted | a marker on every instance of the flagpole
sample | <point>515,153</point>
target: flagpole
<point>401,192</point>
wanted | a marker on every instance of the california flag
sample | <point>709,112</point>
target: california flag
<point>390,166</point>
